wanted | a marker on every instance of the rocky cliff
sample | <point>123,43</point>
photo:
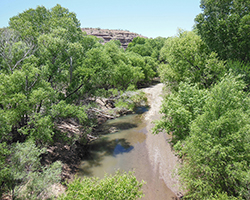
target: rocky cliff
<point>125,37</point>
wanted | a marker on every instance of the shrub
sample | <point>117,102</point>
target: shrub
<point>117,187</point>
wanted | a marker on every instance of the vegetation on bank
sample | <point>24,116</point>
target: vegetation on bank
<point>50,73</point>
<point>119,186</point>
<point>207,111</point>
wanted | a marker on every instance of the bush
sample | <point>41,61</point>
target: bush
<point>30,180</point>
<point>117,187</point>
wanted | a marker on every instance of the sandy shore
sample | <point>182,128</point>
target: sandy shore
<point>160,155</point>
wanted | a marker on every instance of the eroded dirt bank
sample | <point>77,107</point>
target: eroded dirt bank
<point>161,157</point>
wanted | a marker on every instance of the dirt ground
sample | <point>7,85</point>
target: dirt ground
<point>162,158</point>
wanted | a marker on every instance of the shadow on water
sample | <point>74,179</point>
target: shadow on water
<point>116,125</point>
<point>110,147</point>
<point>102,148</point>
<point>119,137</point>
<point>142,109</point>
<point>119,126</point>
<point>119,149</point>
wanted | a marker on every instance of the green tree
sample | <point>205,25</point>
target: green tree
<point>88,42</point>
<point>137,40</point>
<point>127,75</point>
<point>14,50</point>
<point>23,93</point>
<point>56,35</point>
<point>150,68</point>
<point>217,153</point>
<point>95,72</point>
<point>37,70</point>
<point>59,57</point>
<point>179,109</point>
<point>141,49</point>
<point>156,44</point>
<point>108,66</point>
<point>188,59</point>
<point>35,22</point>
<point>146,47</point>
<point>224,26</point>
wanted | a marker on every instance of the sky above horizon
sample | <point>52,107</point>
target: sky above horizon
<point>146,17</point>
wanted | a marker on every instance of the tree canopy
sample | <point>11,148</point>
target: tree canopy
<point>225,26</point>
<point>217,153</point>
<point>207,111</point>
<point>188,59</point>
<point>49,71</point>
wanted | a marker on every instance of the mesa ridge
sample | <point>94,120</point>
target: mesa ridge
<point>124,36</point>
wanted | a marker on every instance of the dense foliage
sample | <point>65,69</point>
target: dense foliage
<point>49,69</point>
<point>217,153</point>
<point>188,59</point>
<point>147,47</point>
<point>180,109</point>
<point>207,111</point>
<point>209,128</point>
<point>119,186</point>
<point>225,27</point>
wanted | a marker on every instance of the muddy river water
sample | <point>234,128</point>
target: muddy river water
<point>129,145</point>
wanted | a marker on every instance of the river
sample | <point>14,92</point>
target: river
<point>130,145</point>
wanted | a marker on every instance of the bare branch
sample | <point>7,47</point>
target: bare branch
<point>8,39</point>
<point>74,91</point>
<point>37,75</point>
<point>25,56</point>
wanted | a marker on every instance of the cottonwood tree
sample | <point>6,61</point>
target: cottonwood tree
<point>35,22</point>
<point>225,26</point>
<point>188,59</point>
<point>14,50</point>
<point>217,153</point>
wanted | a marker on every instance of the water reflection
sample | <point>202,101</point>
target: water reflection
<point>119,149</point>
<point>109,152</point>
<point>126,150</point>
<point>110,147</point>
<point>141,109</point>
<point>113,126</point>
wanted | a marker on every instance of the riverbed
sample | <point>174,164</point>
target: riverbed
<point>129,145</point>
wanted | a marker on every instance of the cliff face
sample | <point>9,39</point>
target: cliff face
<point>125,37</point>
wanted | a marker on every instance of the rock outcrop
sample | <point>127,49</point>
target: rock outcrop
<point>125,37</point>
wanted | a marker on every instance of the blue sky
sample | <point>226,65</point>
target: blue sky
<point>150,18</point>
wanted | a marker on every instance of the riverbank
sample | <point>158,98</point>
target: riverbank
<point>161,156</point>
<point>132,146</point>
